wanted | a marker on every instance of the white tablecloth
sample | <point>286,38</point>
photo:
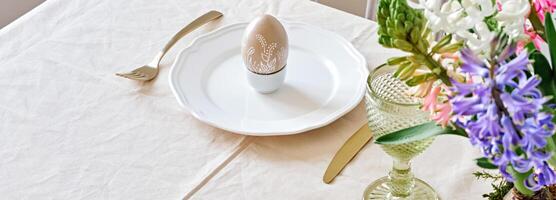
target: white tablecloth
<point>70,129</point>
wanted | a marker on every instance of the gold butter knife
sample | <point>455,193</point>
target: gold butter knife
<point>347,152</point>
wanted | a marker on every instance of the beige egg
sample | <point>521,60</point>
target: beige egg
<point>265,45</point>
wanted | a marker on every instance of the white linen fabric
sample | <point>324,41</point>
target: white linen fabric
<point>70,129</point>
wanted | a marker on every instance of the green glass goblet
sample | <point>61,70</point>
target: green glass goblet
<point>390,107</point>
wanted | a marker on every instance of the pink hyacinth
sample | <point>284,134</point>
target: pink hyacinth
<point>441,113</point>
<point>423,89</point>
<point>533,36</point>
<point>430,101</point>
<point>544,6</point>
<point>536,38</point>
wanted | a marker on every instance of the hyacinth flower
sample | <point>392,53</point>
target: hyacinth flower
<point>436,103</point>
<point>534,38</point>
<point>493,98</point>
<point>475,21</point>
<point>502,115</point>
<point>544,6</point>
<point>512,17</point>
<point>536,29</point>
<point>405,28</point>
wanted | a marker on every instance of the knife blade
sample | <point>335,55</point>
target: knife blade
<point>347,152</point>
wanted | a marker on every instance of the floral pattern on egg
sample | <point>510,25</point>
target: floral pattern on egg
<point>270,56</point>
<point>265,46</point>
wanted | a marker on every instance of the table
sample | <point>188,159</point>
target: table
<point>70,129</point>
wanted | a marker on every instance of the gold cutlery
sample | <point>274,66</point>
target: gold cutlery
<point>149,71</point>
<point>347,152</point>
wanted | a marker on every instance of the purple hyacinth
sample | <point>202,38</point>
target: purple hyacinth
<point>501,112</point>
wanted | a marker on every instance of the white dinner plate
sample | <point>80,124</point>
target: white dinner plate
<point>325,79</point>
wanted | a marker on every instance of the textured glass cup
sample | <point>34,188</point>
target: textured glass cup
<point>390,108</point>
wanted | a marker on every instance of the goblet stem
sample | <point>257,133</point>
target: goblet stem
<point>401,180</point>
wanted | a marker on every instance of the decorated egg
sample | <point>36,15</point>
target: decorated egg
<point>265,53</point>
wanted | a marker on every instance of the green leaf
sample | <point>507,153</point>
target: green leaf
<point>530,47</point>
<point>485,163</point>
<point>519,183</point>
<point>551,38</point>
<point>551,147</point>
<point>418,132</point>
<point>542,68</point>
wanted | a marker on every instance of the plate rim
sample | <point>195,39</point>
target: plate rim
<point>326,120</point>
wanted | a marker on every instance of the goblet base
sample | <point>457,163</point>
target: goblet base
<point>379,189</point>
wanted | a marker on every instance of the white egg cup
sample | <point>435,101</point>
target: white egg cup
<point>266,83</point>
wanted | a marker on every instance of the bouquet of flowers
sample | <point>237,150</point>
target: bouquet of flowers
<point>479,68</point>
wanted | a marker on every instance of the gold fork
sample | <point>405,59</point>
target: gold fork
<point>149,71</point>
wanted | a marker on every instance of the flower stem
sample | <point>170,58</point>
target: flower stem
<point>498,100</point>
<point>519,182</point>
<point>536,22</point>
<point>434,66</point>
<point>443,75</point>
<point>499,103</point>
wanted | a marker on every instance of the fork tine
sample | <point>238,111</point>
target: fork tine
<point>129,75</point>
<point>135,72</point>
<point>139,72</point>
<point>126,74</point>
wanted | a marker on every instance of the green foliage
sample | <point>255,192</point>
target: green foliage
<point>417,133</point>
<point>519,182</point>
<point>519,179</point>
<point>545,70</point>
<point>492,23</point>
<point>443,42</point>
<point>400,26</point>
<point>530,47</point>
<point>485,163</point>
<point>405,28</point>
<point>499,185</point>
<point>542,68</point>
<point>537,24</point>
<point>550,34</point>
<point>551,147</point>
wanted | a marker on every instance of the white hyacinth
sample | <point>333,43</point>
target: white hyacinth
<point>512,17</point>
<point>466,19</point>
